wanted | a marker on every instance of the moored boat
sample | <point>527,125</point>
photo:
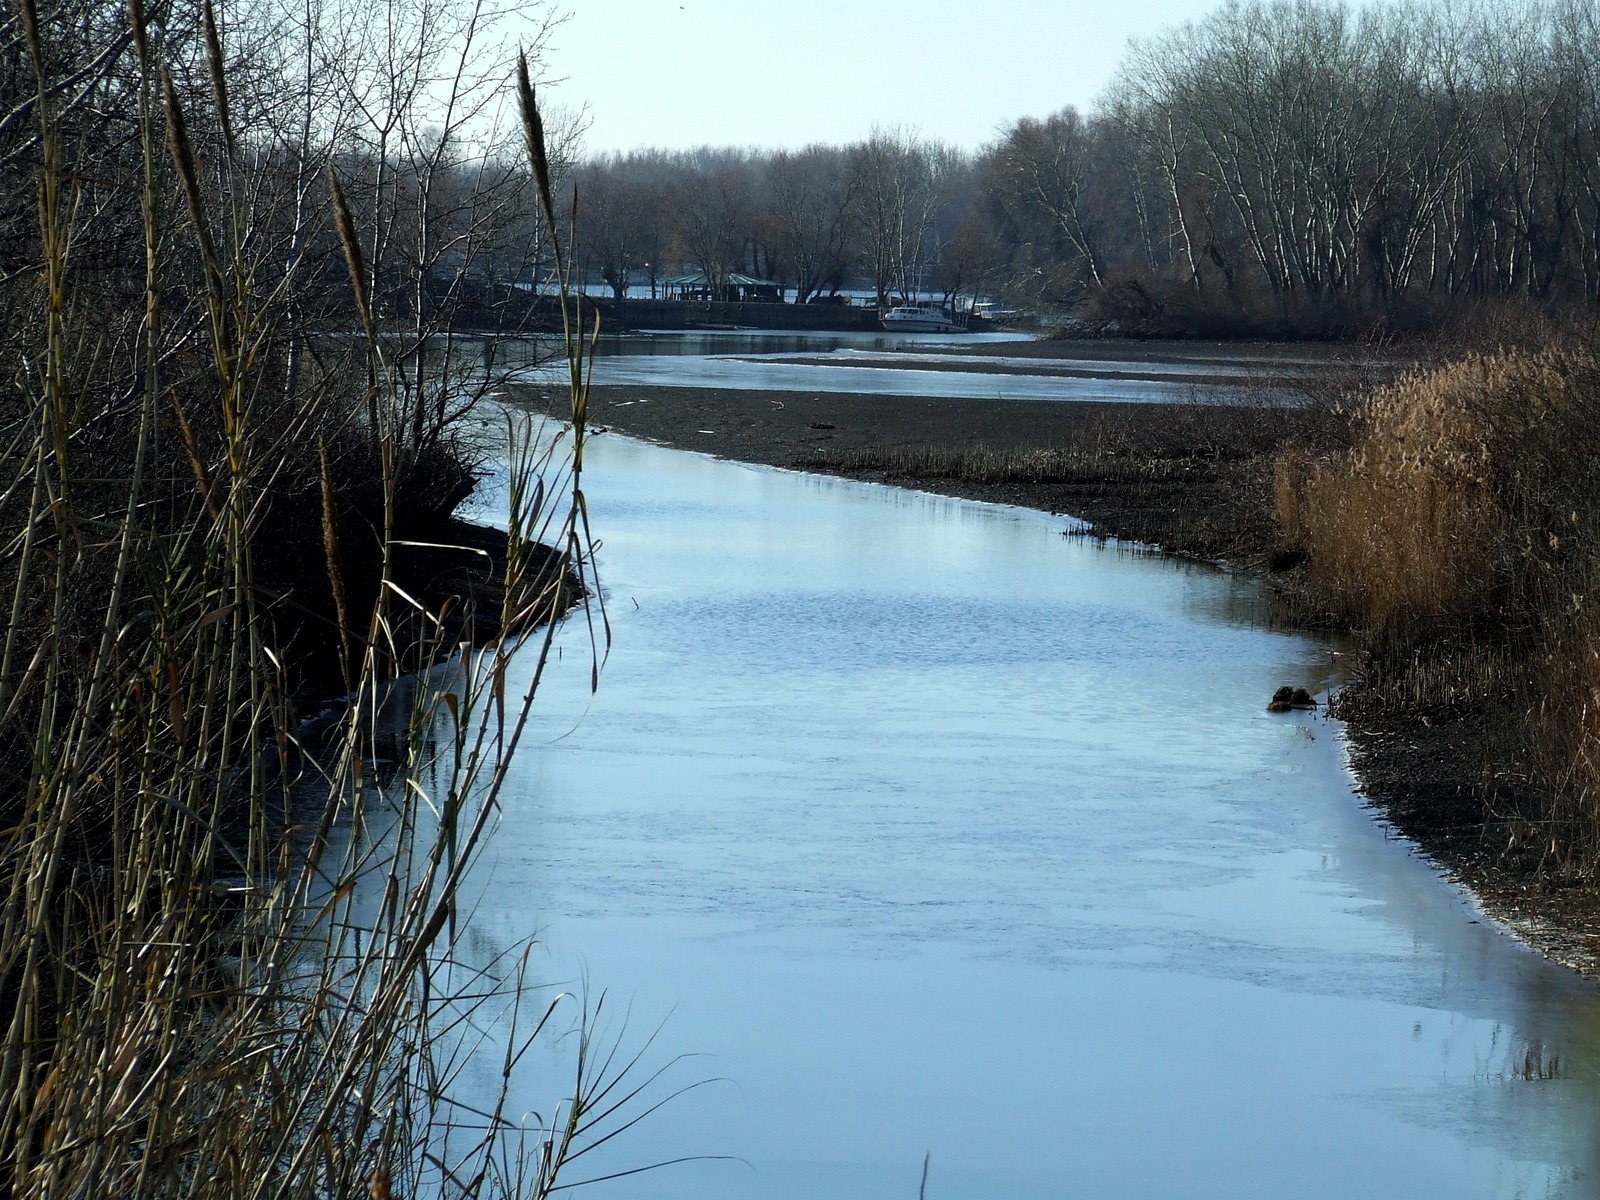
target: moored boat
<point>920,317</point>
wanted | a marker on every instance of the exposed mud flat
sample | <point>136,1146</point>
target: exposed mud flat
<point>1158,489</point>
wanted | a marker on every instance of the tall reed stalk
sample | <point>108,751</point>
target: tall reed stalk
<point>227,952</point>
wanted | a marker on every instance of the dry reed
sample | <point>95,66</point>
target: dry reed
<point>1461,532</point>
<point>227,956</point>
<point>984,465</point>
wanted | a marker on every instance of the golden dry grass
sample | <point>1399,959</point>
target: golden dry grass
<point>1459,531</point>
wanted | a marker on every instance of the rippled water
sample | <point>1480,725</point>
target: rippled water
<point>937,832</point>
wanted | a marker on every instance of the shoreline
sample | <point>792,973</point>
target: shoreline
<point>1130,469</point>
<point>455,568</point>
<point>1419,778</point>
<point>1124,469</point>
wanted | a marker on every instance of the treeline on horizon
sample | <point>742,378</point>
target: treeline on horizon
<point>405,99</point>
<point>1294,168</point>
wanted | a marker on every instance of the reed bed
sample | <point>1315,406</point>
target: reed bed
<point>228,957</point>
<point>1461,532</point>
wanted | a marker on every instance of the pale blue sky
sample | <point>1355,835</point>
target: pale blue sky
<point>682,73</point>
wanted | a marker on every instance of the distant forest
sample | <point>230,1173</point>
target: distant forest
<point>1290,167</point>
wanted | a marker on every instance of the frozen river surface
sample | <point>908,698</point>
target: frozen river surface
<point>932,831</point>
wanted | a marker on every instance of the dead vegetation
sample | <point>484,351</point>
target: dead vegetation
<point>229,963</point>
<point>1185,503</point>
<point>1460,533</point>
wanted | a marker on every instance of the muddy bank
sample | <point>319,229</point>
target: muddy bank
<point>455,569</point>
<point>1426,776</point>
<point>1195,480</point>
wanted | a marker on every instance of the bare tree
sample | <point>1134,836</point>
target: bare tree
<point>1048,169</point>
<point>716,213</point>
<point>809,193</point>
<point>896,209</point>
<point>1273,164</point>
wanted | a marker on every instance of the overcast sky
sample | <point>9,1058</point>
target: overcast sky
<point>787,72</point>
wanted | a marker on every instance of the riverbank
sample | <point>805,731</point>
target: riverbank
<point>1425,776</point>
<point>456,570</point>
<point>1196,480</point>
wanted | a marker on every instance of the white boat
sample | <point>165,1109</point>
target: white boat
<point>920,317</point>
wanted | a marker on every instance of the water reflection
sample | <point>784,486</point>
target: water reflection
<point>937,830</point>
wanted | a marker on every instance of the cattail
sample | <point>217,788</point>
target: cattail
<point>352,253</point>
<point>175,706</point>
<point>533,133</point>
<point>189,176</point>
<point>141,35</point>
<point>219,83</point>
<point>197,462</point>
<point>330,547</point>
<point>30,30</point>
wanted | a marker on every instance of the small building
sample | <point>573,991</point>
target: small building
<point>735,289</point>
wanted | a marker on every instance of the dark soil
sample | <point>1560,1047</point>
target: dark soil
<point>454,568</point>
<point>1428,776</point>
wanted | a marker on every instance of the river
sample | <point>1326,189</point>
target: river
<point>933,832</point>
